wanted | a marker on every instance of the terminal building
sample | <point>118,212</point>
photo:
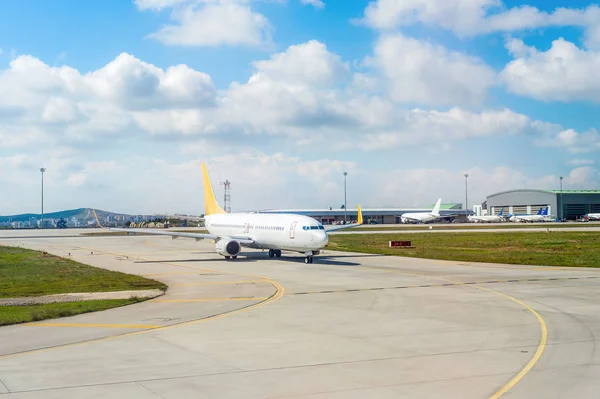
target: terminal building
<point>374,215</point>
<point>565,204</point>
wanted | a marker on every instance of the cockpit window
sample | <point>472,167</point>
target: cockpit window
<point>319,227</point>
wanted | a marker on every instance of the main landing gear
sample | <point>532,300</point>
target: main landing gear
<point>233,257</point>
<point>274,253</point>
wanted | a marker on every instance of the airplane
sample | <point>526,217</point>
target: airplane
<point>422,217</point>
<point>275,232</point>
<point>540,217</point>
<point>593,216</point>
<point>488,218</point>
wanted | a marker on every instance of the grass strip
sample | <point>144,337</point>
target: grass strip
<point>25,273</point>
<point>577,249</point>
<point>24,314</point>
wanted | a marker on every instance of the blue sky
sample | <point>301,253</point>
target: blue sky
<point>121,101</point>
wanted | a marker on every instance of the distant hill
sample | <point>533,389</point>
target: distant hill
<point>81,213</point>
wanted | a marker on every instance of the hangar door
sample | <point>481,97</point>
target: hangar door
<point>574,211</point>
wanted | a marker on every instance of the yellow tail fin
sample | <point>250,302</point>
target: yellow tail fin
<point>212,207</point>
<point>360,218</point>
<point>96,216</point>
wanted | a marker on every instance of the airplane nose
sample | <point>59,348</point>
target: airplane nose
<point>321,238</point>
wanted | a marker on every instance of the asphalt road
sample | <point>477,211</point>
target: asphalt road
<point>347,326</point>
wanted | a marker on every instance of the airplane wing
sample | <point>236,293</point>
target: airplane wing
<point>348,226</point>
<point>176,234</point>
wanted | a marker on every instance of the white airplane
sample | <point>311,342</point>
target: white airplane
<point>593,216</point>
<point>275,232</point>
<point>488,218</point>
<point>540,217</point>
<point>422,217</point>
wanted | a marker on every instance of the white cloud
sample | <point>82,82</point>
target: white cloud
<point>308,62</point>
<point>563,73</point>
<point>306,94</point>
<point>316,3</point>
<point>473,17</point>
<point>579,162</point>
<point>44,104</point>
<point>158,4</point>
<point>212,23</point>
<point>420,187</point>
<point>585,177</point>
<point>575,142</point>
<point>435,128</point>
<point>59,110</point>
<point>421,72</point>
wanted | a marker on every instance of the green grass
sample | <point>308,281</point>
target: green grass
<point>25,314</point>
<point>26,273</point>
<point>533,248</point>
<point>478,226</point>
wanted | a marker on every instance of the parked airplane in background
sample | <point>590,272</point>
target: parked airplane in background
<point>422,217</point>
<point>540,217</point>
<point>488,218</point>
<point>593,216</point>
<point>275,232</point>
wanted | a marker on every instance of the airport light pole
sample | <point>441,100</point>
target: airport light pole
<point>42,219</point>
<point>466,197</point>
<point>345,206</point>
<point>560,214</point>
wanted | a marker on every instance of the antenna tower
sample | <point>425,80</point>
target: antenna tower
<point>227,196</point>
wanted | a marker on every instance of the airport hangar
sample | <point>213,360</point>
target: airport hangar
<point>565,204</point>
<point>373,215</point>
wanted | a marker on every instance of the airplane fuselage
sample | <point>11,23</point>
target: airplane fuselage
<point>421,217</point>
<point>486,218</point>
<point>271,231</point>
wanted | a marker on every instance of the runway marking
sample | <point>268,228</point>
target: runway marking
<point>538,352</point>
<point>167,274</point>
<point>207,300</point>
<point>453,284</point>
<point>91,325</point>
<point>543,328</point>
<point>279,292</point>
<point>218,283</point>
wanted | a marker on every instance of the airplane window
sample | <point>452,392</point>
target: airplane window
<point>314,227</point>
<point>321,228</point>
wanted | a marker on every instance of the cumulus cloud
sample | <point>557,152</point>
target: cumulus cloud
<point>473,17</point>
<point>575,142</point>
<point>308,62</point>
<point>41,104</point>
<point>210,23</point>
<point>417,126</point>
<point>562,73</point>
<point>585,176</point>
<point>421,72</point>
<point>316,3</point>
<point>305,93</point>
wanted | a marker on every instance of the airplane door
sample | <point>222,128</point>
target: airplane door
<point>247,228</point>
<point>293,230</point>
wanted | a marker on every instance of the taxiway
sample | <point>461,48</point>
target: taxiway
<point>347,326</point>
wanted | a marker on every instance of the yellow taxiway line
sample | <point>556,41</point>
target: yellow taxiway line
<point>543,327</point>
<point>208,300</point>
<point>138,326</point>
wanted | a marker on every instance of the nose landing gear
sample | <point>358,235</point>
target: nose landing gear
<point>274,253</point>
<point>308,259</point>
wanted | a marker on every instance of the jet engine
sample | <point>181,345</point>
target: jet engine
<point>228,247</point>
